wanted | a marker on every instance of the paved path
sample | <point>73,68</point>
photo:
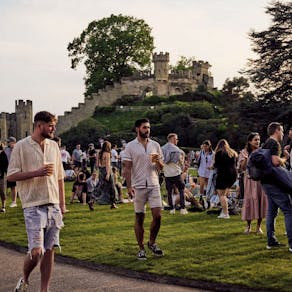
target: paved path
<point>74,278</point>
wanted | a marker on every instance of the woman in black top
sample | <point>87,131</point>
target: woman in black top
<point>225,163</point>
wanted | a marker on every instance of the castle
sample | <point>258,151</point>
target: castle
<point>18,124</point>
<point>161,83</point>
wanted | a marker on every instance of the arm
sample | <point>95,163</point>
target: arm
<point>18,176</point>
<point>62,195</point>
<point>127,170</point>
<point>107,165</point>
<point>278,161</point>
<point>242,160</point>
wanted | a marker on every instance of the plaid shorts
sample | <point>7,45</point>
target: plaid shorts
<point>43,224</point>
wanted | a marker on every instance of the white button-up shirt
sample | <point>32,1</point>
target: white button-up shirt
<point>144,173</point>
<point>27,155</point>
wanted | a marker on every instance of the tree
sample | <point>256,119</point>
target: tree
<point>183,64</point>
<point>237,87</point>
<point>112,48</point>
<point>272,71</point>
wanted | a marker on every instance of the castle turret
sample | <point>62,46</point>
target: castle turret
<point>23,112</point>
<point>161,66</point>
<point>202,74</point>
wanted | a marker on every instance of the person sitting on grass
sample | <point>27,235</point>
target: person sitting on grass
<point>195,204</point>
<point>79,190</point>
<point>70,174</point>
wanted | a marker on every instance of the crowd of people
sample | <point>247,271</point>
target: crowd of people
<point>143,168</point>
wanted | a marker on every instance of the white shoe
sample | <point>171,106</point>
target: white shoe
<point>224,216</point>
<point>13,205</point>
<point>172,211</point>
<point>183,211</point>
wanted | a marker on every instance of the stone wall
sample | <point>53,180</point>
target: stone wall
<point>104,97</point>
<point>162,83</point>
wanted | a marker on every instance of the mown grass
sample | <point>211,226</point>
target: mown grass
<point>119,121</point>
<point>197,246</point>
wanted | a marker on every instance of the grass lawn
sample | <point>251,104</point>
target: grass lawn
<point>197,246</point>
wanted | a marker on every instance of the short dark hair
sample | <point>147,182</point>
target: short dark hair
<point>44,116</point>
<point>170,135</point>
<point>272,127</point>
<point>138,123</point>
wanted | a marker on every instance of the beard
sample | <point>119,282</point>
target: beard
<point>144,135</point>
<point>48,135</point>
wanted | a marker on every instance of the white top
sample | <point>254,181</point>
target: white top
<point>27,155</point>
<point>205,164</point>
<point>65,156</point>
<point>115,155</point>
<point>144,173</point>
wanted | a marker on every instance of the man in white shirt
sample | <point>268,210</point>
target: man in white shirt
<point>65,156</point>
<point>36,166</point>
<point>142,161</point>
<point>114,156</point>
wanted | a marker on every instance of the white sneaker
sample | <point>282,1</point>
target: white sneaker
<point>183,211</point>
<point>224,216</point>
<point>13,205</point>
<point>21,286</point>
<point>172,211</point>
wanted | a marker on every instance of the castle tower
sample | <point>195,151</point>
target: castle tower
<point>202,74</point>
<point>23,119</point>
<point>161,66</point>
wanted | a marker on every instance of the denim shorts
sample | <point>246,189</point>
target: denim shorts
<point>43,224</point>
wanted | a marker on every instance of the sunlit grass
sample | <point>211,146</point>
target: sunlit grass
<point>197,246</point>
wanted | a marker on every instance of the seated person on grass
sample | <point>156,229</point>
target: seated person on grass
<point>79,190</point>
<point>70,174</point>
<point>195,204</point>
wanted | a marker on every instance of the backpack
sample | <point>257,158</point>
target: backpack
<point>259,164</point>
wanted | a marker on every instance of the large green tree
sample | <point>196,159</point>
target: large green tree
<point>271,72</point>
<point>112,48</point>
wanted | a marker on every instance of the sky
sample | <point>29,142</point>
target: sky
<point>34,34</point>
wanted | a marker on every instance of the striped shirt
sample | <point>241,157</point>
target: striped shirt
<point>144,173</point>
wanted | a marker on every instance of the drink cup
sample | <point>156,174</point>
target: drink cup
<point>154,157</point>
<point>50,168</point>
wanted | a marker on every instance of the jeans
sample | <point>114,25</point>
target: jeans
<point>177,181</point>
<point>278,199</point>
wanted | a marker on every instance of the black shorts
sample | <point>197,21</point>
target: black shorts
<point>11,184</point>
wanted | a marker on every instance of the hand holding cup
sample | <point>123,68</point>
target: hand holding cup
<point>154,157</point>
<point>49,168</point>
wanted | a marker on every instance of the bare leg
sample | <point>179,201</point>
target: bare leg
<point>30,262</point>
<point>155,224</point>
<point>259,229</point>
<point>202,185</point>
<point>139,229</point>
<point>223,201</point>
<point>248,227</point>
<point>84,198</point>
<point>13,194</point>
<point>46,268</point>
